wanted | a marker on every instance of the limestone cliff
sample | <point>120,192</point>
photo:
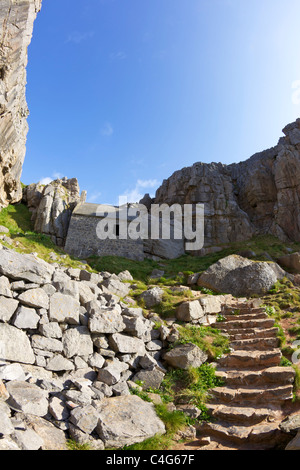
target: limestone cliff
<point>17,18</point>
<point>258,196</point>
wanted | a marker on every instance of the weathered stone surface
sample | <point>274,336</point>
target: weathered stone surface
<point>189,311</point>
<point>13,371</point>
<point>5,288</point>
<point>64,309</point>
<point>17,25</point>
<point>117,287</point>
<point>106,320</point>
<point>6,426</point>
<point>47,344</point>
<point>152,296</point>
<point>53,438</point>
<point>112,371</point>
<point>34,298</point>
<point>52,205</point>
<point>27,398</point>
<point>27,439</point>
<point>151,378</point>
<point>59,363</point>
<point>7,308</point>
<point>239,276</point>
<point>126,420</point>
<point>26,318</point>
<point>125,344</point>
<point>185,356</point>
<point>15,345</point>
<point>259,195</point>
<point>85,418</point>
<point>77,341</point>
<point>25,267</point>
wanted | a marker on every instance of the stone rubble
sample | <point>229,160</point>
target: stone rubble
<point>69,350</point>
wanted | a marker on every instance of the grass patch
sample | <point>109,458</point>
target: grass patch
<point>208,339</point>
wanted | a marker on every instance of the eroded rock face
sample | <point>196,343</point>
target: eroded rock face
<point>17,20</point>
<point>257,196</point>
<point>51,206</point>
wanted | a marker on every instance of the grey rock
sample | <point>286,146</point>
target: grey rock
<point>28,439</point>
<point>239,276</point>
<point>53,438</point>
<point>59,363</point>
<point>15,345</point>
<point>47,344</point>
<point>26,318</point>
<point>35,298</point>
<point>294,444</point>
<point>51,330</point>
<point>107,320</point>
<point>58,409</point>
<point>12,371</point>
<point>111,373</point>
<point>64,309</point>
<point>5,288</point>
<point>6,426</point>
<point>96,360</point>
<point>189,311</point>
<point>150,378</point>
<point>115,286</point>
<point>27,398</point>
<point>126,420</point>
<point>185,356</point>
<point>24,267</point>
<point>121,388</point>
<point>8,444</point>
<point>77,341</point>
<point>85,418</point>
<point>7,308</point>
<point>126,344</point>
<point>152,296</point>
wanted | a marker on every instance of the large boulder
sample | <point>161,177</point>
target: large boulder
<point>185,356</point>
<point>126,420</point>
<point>240,277</point>
<point>15,345</point>
<point>25,267</point>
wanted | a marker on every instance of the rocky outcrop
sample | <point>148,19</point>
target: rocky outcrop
<point>52,205</point>
<point>257,196</point>
<point>17,20</point>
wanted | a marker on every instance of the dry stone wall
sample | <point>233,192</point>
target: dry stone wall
<point>70,351</point>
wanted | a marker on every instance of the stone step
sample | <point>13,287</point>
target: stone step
<point>245,359</point>
<point>226,310</point>
<point>261,344</point>
<point>240,333</point>
<point>245,316</point>
<point>245,324</point>
<point>272,375</point>
<point>246,415</point>
<point>266,435</point>
<point>270,394</point>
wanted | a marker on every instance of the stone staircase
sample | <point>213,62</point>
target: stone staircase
<point>247,410</point>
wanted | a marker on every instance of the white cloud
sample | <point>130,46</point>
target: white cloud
<point>77,37</point>
<point>48,179</point>
<point>94,197</point>
<point>118,55</point>
<point>138,192</point>
<point>107,130</point>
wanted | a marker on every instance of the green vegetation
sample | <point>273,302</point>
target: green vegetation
<point>17,218</point>
<point>73,445</point>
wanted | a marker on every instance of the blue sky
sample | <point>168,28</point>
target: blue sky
<point>122,93</point>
